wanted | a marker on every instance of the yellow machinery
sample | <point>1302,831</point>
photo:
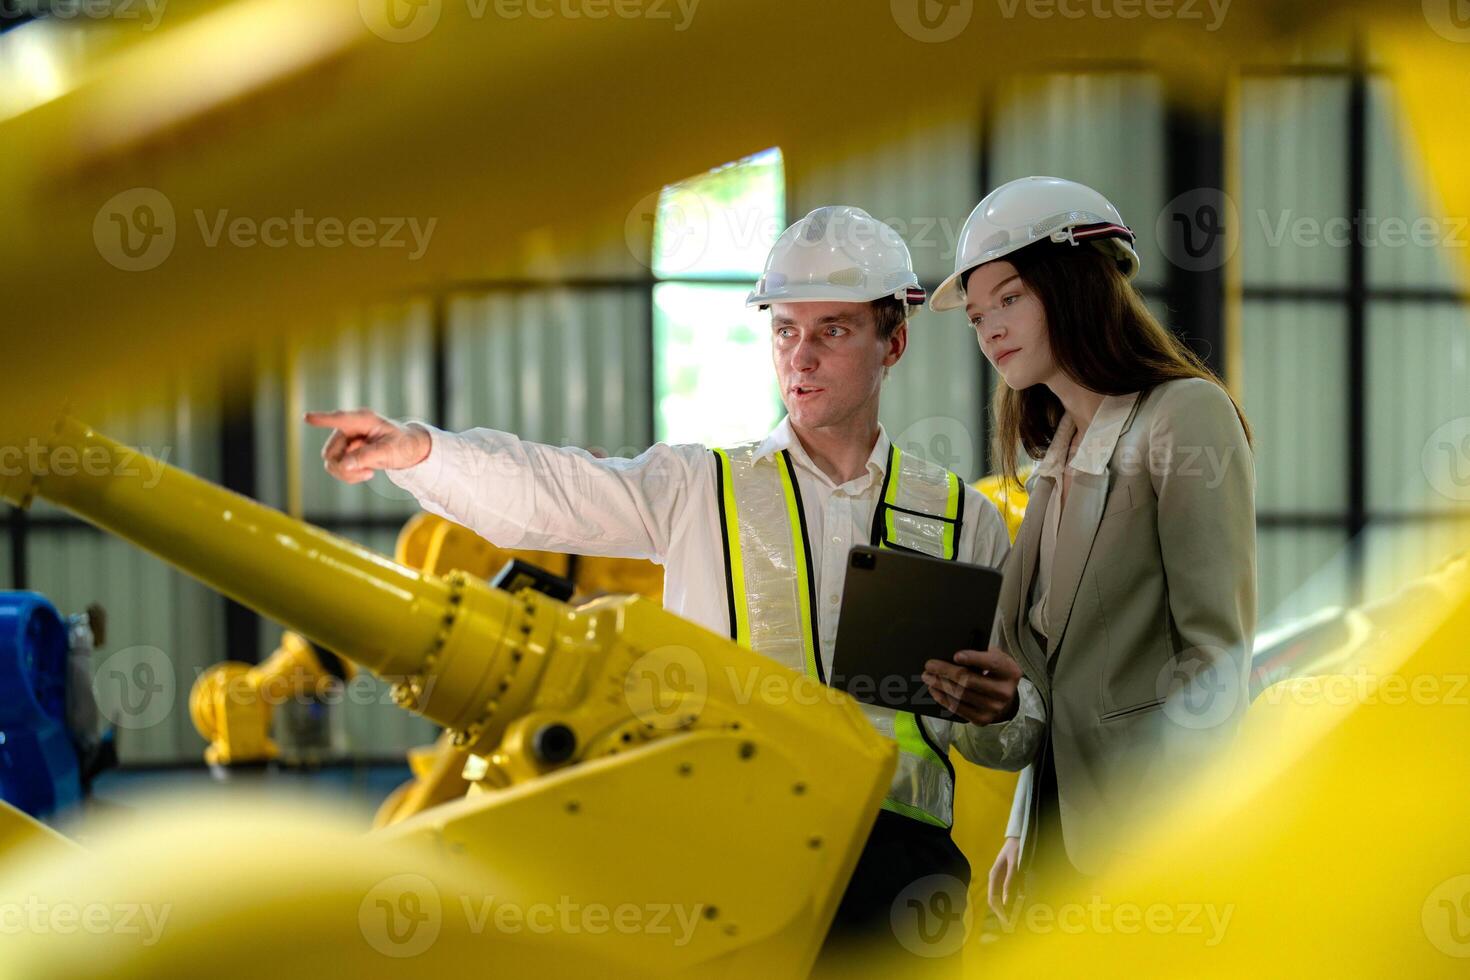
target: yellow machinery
<point>1009,498</point>
<point>232,703</point>
<point>621,764</point>
<point>431,543</point>
<point>438,777</point>
<point>435,545</point>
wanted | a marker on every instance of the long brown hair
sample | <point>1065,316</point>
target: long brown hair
<point>1103,337</point>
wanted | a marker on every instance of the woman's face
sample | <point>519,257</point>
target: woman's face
<point>1010,324</point>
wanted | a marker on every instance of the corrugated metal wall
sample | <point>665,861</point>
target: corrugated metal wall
<point>561,366</point>
<point>923,184</point>
<point>383,359</point>
<point>1293,144</point>
<point>1294,177</point>
<point>162,627</point>
<point>1105,129</point>
<point>1396,189</point>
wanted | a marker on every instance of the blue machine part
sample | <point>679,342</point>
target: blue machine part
<point>39,772</point>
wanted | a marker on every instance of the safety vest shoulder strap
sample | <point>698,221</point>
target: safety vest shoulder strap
<point>920,508</point>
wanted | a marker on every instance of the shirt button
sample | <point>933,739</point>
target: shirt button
<point>836,539</point>
<point>832,599</point>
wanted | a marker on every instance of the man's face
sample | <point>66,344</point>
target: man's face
<point>829,359</point>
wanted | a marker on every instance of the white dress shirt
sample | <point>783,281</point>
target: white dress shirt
<point>661,506</point>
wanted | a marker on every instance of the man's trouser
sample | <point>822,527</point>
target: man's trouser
<point>905,864</point>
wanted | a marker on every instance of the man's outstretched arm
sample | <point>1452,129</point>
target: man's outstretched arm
<point>519,494</point>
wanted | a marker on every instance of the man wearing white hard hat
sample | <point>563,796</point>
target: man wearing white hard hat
<point>1129,597</point>
<point>840,287</point>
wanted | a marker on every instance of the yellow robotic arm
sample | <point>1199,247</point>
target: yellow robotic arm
<point>626,758</point>
<point>433,544</point>
<point>231,704</point>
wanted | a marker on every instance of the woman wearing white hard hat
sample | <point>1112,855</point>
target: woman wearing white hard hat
<point>1130,595</point>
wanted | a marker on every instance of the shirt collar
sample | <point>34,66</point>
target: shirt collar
<point>781,437</point>
<point>1097,445</point>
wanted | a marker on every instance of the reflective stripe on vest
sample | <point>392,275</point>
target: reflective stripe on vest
<point>772,593</point>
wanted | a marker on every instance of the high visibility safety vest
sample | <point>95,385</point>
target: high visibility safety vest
<point>772,592</point>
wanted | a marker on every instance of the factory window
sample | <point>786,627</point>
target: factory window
<point>1348,278</point>
<point>713,381</point>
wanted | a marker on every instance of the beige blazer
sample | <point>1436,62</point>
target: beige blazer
<point>1152,609</point>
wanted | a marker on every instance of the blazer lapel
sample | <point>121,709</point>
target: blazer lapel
<point>1028,538</point>
<point>1081,515</point>
<point>1016,586</point>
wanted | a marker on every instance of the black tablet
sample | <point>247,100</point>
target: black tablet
<point>900,609</point>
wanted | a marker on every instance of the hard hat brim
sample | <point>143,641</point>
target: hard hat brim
<point>817,293</point>
<point>950,295</point>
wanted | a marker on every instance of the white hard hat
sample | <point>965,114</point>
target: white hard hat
<point>1024,211</point>
<point>837,253</point>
